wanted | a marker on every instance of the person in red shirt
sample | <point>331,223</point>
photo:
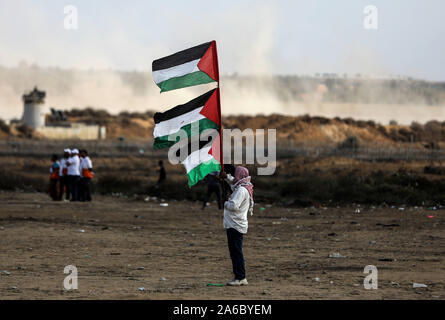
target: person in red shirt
<point>63,175</point>
<point>86,173</point>
<point>54,177</point>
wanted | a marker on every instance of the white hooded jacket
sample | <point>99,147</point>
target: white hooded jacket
<point>236,208</point>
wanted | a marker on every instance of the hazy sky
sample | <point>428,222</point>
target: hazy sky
<point>281,37</point>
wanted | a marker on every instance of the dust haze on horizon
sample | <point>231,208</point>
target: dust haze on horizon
<point>255,37</point>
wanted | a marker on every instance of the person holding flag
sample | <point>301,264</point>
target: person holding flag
<point>235,220</point>
<point>190,67</point>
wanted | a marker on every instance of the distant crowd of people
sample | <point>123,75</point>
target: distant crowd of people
<point>71,176</point>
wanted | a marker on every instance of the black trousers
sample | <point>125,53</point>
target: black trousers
<point>73,187</point>
<point>235,242</point>
<point>85,189</point>
<point>63,184</point>
<point>216,190</point>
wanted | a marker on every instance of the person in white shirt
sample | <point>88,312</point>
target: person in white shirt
<point>235,220</point>
<point>86,167</point>
<point>73,165</point>
<point>63,174</point>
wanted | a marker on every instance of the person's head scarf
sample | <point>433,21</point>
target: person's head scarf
<point>242,179</point>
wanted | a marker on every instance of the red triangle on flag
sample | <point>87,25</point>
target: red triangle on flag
<point>215,148</point>
<point>211,110</point>
<point>209,62</point>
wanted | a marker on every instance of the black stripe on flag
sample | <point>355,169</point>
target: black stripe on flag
<point>181,57</point>
<point>183,108</point>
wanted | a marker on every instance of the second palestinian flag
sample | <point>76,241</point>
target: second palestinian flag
<point>190,67</point>
<point>201,113</point>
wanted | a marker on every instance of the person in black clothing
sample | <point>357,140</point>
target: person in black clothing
<point>212,187</point>
<point>162,173</point>
<point>229,169</point>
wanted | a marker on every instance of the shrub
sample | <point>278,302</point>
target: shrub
<point>350,143</point>
<point>4,127</point>
<point>13,181</point>
<point>115,183</point>
<point>26,132</point>
<point>433,130</point>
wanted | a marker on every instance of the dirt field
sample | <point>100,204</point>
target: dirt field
<point>285,250</point>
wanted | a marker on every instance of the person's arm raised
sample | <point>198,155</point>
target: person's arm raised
<point>236,200</point>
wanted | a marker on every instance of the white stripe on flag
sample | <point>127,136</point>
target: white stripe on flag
<point>176,71</point>
<point>171,126</point>
<point>196,158</point>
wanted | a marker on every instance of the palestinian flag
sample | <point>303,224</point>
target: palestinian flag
<point>193,117</point>
<point>190,67</point>
<point>199,163</point>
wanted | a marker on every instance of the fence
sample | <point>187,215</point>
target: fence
<point>35,148</point>
<point>104,148</point>
<point>362,153</point>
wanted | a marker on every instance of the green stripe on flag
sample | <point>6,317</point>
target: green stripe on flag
<point>168,141</point>
<point>200,171</point>
<point>191,79</point>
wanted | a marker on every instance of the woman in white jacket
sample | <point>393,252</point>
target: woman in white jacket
<point>235,220</point>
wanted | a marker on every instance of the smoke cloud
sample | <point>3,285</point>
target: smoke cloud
<point>247,43</point>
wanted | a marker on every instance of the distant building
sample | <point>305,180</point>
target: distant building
<point>34,108</point>
<point>74,131</point>
<point>34,115</point>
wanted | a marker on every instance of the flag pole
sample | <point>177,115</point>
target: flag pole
<point>219,109</point>
<point>220,131</point>
<point>221,153</point>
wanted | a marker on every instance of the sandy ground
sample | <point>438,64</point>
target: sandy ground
<point>285,250</point>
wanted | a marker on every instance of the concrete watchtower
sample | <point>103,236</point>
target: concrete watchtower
<point>34,108</point>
